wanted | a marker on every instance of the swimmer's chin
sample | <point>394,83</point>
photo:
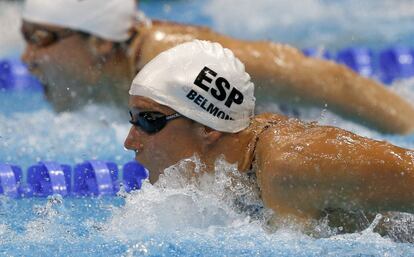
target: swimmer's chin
<point>38,74</point>
<point>42,80</point>
<point>152,176</point>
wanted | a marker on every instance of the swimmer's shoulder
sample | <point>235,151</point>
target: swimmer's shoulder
<point>266,122</point>
<point>277,130</point>
<point>268,118</point>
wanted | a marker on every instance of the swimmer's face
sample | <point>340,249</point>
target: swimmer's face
<point>62,61</point>
<point>180,138</point>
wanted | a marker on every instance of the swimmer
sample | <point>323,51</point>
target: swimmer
<point>89,51</point>
<point>197,99</point>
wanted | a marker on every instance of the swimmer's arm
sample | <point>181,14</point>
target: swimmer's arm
<point>298,79</point>
<point>285,74</point>
<point>306,171</point>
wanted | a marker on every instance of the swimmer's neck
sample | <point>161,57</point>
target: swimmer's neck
<point>114,69</point>
<point>236,147</point>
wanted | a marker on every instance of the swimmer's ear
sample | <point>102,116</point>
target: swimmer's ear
<point>211,136</point>
<point>100,47</point>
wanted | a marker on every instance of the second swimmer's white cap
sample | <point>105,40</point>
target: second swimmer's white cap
<point>109,19</point>
<point>202,81</point>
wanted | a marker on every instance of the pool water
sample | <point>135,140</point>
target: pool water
<point>171,218</point>
<point>174,217</point>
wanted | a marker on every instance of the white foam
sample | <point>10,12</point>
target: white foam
<point>180,209</point>
<point>179,202</point>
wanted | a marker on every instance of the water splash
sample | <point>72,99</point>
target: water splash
<point>180,201</point>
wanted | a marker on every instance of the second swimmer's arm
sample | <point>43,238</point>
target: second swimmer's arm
<point>283,72</point>
<point>303,170</point>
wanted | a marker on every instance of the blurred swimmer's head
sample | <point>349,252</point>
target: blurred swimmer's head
<point>77,49</point>
<point>109,19</point>
<point>184,101</point>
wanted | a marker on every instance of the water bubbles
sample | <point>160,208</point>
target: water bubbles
<point>52,208</point>
<point>180,201</point>
<point>137,249</point>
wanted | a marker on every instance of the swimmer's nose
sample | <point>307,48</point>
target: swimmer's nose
<point>132,141</point>
<point>29,58</point>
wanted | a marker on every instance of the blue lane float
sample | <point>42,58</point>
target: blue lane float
<point>317,52</point>
<point>47,178</point>
<point>359,59</point>
<point>134,174</point>
<point>90,178</point>
<point>396,63</point>
<point>95,178</point>
<point>387,65</point>
<point>14,76</point>
<point>10,178</point>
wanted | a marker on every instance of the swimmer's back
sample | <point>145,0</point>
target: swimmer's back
<point>299,165</point>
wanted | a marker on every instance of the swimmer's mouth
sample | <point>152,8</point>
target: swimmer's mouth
<point>137,153</point>
<point>42,79</point>
<point>31,66</point>
<point>46,87</point>
<point>37,73</point>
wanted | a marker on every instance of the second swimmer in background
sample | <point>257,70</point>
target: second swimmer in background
<point>88,51</point>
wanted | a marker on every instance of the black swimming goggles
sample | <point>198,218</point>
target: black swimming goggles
<point>43,37</point>
<point>150,122</point>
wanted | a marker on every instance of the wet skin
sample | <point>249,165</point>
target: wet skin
<point>280,73</point>
<point>302,169</point>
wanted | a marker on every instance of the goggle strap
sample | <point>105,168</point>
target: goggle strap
<point>173,116</point>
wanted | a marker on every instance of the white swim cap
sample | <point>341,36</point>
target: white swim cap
<point>202,81</point>
<point>109,19</point>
